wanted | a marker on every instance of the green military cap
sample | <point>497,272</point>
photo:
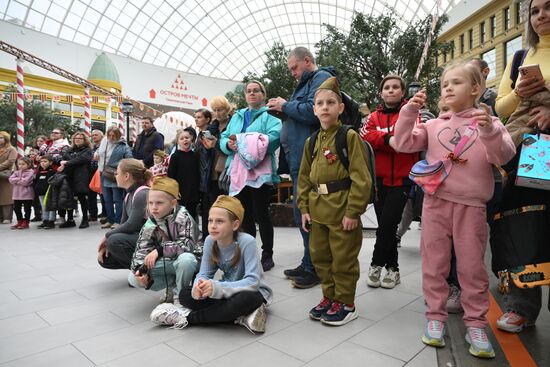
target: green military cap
<point>332,85</point>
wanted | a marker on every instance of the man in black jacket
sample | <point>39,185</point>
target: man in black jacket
<point>147,142</point>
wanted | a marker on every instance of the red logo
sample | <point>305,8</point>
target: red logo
<point>152,94</point>
<point>204,102</point>
<point>179,83</point>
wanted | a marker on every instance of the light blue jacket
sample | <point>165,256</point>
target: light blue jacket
<point>260,122</point>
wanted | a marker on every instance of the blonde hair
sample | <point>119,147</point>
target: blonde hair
<point>220,101</point>
<point>136,169</point>
<point>7,138</point>
<point>471,72</point>
<point>215,256</point>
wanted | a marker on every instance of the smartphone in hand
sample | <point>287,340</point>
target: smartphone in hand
<point>531,71</point>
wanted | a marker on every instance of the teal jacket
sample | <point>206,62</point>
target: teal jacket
<point>260,122</point>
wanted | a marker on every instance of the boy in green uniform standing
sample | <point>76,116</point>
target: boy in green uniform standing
<point>331,199</point>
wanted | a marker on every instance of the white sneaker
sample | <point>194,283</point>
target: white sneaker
<point>391,279</point>
<point>453,301</point>
<point>373,279</point>
<point>171,315</point>
<point>255,322</point>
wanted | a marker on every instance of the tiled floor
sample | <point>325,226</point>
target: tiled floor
<point>59,308</point>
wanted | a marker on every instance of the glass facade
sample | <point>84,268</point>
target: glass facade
<point>491,58</point>
<point>511,47</point>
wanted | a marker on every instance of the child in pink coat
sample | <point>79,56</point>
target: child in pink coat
<point>456,212</point>
<point>23,192</point>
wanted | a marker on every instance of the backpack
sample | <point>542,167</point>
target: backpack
<point>517,61</point>
<point>351,115</point>
<point>342,151</point>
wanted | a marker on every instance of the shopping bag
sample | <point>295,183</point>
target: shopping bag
<point>534,162</point>
<point>95,182</point>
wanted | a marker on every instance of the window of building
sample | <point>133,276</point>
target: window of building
<point>452,50</point>
<point>491,58</point>
<point>510,48</point>
<point>506,19</point>
<point>493,26</point>
<point>444,57</point>
<point>462,43</point>
<point>471,38</point>
<point>518,13</point>
<point>482,33</point>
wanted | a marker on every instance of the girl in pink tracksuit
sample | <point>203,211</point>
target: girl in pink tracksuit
<point>23,192</point>
<point>455,213</point>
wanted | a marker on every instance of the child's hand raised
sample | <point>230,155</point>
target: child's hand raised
<point>419,99</point>
<point>483,117</point>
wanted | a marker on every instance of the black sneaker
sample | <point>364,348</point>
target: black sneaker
<point>68,224</point>
<point>36,219</point>
<point>42,225</point>
<point>339,314</point>
<point>316,312</point>
<point>49,224</point>
<point>294,273</point>
<point>267,263</point>
<point>308,280</point>
<point>83,224</point>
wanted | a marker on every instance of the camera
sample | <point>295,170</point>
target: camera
<point>144,270</point>
<point>208,135</point>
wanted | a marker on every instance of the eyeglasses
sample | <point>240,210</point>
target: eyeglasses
<point>250,91</point>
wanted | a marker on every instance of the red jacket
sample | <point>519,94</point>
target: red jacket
<point>392,167</point>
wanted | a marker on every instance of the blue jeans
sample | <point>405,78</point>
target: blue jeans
<point>306,260</point>
<point>113,197</point>
<point>179,273</point>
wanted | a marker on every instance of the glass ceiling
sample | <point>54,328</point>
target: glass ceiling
<point>222,39</point>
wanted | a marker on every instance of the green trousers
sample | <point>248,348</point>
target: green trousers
<point>334,255</point>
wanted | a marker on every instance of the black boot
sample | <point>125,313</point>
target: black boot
<point>49,224</point>
<point>68,224</point>
<point>84,224</point>
<point>267,262</point>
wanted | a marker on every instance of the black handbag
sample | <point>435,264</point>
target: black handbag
<point>224,180</point>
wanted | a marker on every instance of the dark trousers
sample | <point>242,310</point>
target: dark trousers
<point>37,207</point>
<point>389,209</point>
<point>121,248</point>
<point>92,204</point>
<point>256,209</point>
<point>26,205</point>
<point>207,199</point>
<point>215,311</point>
<point>83,200</point>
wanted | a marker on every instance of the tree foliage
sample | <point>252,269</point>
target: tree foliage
<point>276,78</point>
<point>39,119</point>
<point>376,47</point>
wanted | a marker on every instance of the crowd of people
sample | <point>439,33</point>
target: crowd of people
<point>178,212</point>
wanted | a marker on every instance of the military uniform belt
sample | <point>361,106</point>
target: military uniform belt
<point>333,186</point>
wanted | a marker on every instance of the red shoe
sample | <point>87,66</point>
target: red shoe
<point>24,225</point>
<point>16,225</point>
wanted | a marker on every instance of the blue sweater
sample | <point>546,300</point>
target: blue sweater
<point>301,121</point>
<point>247,275</point>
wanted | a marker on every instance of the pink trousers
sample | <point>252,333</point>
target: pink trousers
<point>444,224</point>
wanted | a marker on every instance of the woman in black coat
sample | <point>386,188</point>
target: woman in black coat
<point>76,165</point>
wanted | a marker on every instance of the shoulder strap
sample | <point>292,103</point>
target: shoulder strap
<point>341,141</point>
<point>312,140</point>
<point>464,139</point>
<point>519,57</point>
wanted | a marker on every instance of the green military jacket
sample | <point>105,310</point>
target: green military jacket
<point>331,208</point>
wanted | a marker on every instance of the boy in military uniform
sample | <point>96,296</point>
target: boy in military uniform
<point>331,199</point>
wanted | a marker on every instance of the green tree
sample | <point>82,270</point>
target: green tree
<point>376,47</point>
<point>39,119</point>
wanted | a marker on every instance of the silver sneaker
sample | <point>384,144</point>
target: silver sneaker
<point>255,322</point>
<point>391,279</point>
<point>373,279</point>
<point>171,315</point>
<point>453,301</point>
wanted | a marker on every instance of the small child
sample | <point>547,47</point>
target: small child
<point>332,199</point>
<point>184,168</point>
<point>23,193</point>
<point>44,172</point>
<point>160,168</point>
<point>455,213</point>
<point>241,294</point>
<point>167,250</point>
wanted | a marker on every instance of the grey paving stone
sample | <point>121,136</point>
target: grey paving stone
<point>159,355</point>
<point>353,355</point>
<point>64,356</point>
